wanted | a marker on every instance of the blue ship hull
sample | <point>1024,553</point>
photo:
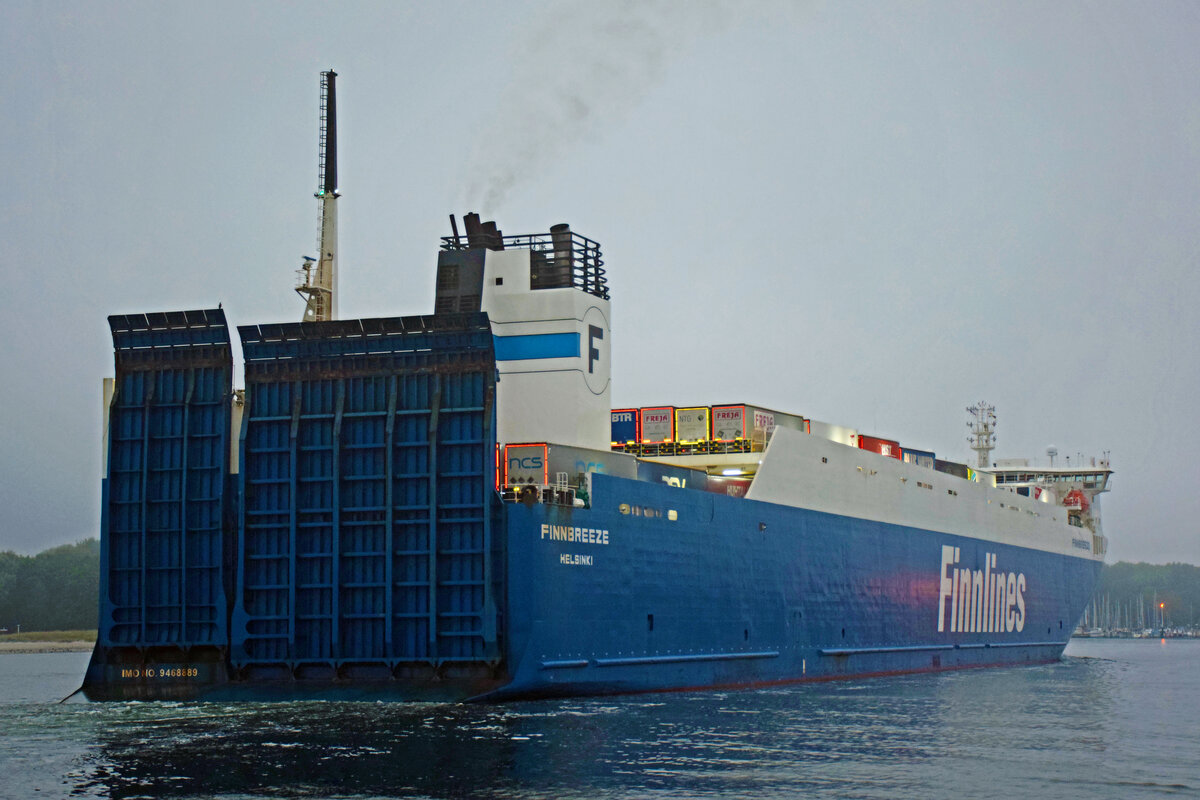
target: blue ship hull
<point>735,592</point>
<point>730,593</point>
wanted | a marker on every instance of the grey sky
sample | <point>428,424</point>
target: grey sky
<point>871,214</point>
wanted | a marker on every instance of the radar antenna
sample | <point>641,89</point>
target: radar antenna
<point>318,276</point>
<point>983,431</point>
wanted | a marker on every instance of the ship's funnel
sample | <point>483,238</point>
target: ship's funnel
<point>482,234</point>
<point>493,237</point>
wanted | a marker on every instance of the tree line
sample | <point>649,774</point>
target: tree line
<point>58,589</point>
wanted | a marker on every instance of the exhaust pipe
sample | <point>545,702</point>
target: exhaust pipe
<point>562,272</point>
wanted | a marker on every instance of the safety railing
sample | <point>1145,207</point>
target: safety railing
<point>559,259</point>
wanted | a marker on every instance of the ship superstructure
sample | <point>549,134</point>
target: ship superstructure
<point>1074,489</point>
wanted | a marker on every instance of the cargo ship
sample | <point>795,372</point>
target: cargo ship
<point>448,507</point>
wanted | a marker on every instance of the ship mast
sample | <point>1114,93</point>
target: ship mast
<point>983,432</point>
<point>318,277</point>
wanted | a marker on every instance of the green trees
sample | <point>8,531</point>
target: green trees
<point>57,589</point>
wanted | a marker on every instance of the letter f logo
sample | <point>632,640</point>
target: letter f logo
<point>594,334</point>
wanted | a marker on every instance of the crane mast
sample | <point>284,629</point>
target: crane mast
<point>318,277</point>
<point>983,431</point>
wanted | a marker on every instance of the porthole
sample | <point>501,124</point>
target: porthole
<point>623,508</point>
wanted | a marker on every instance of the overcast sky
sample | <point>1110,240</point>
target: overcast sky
<point>871,214</point>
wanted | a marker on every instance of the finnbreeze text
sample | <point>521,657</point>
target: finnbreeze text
<point>567,533</point>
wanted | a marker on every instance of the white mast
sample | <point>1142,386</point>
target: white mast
<point>983,432</point>
<point>318,277</point>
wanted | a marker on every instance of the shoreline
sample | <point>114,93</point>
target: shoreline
<point>45,647</point>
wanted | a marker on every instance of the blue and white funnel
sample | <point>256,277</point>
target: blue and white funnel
<point>546,297</point>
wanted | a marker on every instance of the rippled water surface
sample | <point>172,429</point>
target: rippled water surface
<point>1114,719</point>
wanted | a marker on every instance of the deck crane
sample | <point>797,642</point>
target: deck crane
<point>318,277</point>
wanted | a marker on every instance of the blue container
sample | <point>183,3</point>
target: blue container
<point>624,425</point>
<point>922,458</point>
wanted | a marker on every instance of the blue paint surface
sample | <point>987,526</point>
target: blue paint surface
<point>538,345</point>
<point>624,426</point>
<point>798,594</point>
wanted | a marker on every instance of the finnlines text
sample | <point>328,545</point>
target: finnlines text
<point>981,600</point>
<point>567,533</point>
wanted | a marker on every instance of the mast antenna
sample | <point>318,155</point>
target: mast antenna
<point>317,282</point>
<point>983,431</point>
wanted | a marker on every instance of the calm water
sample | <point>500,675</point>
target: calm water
<point>1114,719</point>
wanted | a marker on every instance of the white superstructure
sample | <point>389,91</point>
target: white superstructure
<point>547,302</point>
<point>806,471</point>
<point>552,351</point>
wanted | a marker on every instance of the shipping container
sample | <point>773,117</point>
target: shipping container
<point>692,424</point>
<point>741,421</point>
<point>542,463</point>
<point>526,464</point>
<point>657,424</point>
<point>793,421</point>
<point>922,458</point>
<point>951,468</point>
<point>884,447</point>
<point>834,433</point>
<point>729,423</point>
<point>761,423</point>
<point>624,426</point>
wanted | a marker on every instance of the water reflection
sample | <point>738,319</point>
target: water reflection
<point>1101,726</point>
<point>692,744</point>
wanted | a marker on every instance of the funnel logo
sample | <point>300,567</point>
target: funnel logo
<point>595,365</point>
<point>594,334</point>
<point>981,600</point>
